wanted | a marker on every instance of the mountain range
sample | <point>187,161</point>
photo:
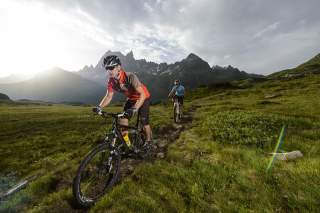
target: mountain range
<point>55,85</point>
<point>13,78</point>
<point>191,71</point>
<point>88,84</point>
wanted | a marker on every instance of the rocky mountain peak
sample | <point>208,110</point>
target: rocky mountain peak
<point>130,55</point>
<point>192,57</point>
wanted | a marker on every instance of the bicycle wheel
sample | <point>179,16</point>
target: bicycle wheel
<point>180,112</point>
<point>138,139</point>
<point>176,113</point>
<point>97,173</point>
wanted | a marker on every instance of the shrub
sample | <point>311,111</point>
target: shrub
<point>239,127</point>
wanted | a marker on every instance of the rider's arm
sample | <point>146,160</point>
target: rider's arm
<point>140,101</point>
<point>171,92</point>
<point>106,100</point>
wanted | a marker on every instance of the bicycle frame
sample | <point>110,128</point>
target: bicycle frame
<point>176,105</point>
<point>116,129</point>
<point>105,159</point>
<point>176,110</point>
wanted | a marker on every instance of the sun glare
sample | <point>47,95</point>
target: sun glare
<point>30,39</point>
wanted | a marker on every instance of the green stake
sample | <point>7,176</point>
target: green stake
<point>279,144</point>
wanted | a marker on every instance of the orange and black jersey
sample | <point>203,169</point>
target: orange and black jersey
<point>127,84</point>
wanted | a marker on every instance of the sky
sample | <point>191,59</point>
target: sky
<point>257,36</point>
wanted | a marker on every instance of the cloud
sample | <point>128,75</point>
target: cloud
<point>261,36</point>
<point>148,7</point>
<point>267,29</point>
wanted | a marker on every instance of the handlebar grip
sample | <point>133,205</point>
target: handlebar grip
<point>115,115</point>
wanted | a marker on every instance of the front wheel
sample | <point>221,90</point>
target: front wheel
<point>176,113</point>
<point>97,173</point>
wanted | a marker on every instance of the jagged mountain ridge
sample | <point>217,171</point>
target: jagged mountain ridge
<point>98,74</point>
<point>193,71</point>
<point>142,66</point>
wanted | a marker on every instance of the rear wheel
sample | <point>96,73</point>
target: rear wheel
<point>97,173</point>
<point>139,139</point>
<point>180,111</point>
<point>176,114</point>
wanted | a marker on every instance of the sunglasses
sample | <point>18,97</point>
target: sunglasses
<point>110,68</point>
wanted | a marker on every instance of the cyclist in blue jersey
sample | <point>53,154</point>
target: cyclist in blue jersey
<point>177,92</point>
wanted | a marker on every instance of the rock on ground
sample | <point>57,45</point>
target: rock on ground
<point>289,155</point>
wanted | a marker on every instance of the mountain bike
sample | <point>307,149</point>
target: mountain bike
<point>100,169</point>
<point>177,110</point>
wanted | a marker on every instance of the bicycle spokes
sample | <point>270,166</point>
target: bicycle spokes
<point>96,176</point>
<point>100,169</point>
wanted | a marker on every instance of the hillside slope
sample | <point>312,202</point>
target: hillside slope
<point>4,97</point>
<point>219,164</point>
<point>56,85</point>
<point>312,66</point>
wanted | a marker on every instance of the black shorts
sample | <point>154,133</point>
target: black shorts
<point>180,99</point>
<point>143,111</point>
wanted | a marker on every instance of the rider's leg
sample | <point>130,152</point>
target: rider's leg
<point>125,122</point>
<point>144,119</point>
<point>125,132</point>
<point>147,130</point>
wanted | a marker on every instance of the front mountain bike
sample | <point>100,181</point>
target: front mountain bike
<point>100,169</point>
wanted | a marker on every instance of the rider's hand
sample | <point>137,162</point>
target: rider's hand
<point>131,112</point>
<point>97,110</point>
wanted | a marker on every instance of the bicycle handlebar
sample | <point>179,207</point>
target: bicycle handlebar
<point>114,115</point>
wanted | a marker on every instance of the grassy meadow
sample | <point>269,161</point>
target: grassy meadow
<point>217,165</point>
<point>49,141</point>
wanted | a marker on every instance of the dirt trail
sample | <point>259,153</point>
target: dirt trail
<point>162,138</point>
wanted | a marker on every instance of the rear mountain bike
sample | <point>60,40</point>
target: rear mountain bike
<point>177,110</point>
<point>100,169</point>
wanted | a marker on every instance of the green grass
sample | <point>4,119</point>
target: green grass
<point>50,141</point>
<point>217,165</point>
<point>220,163</point>
<point>310,67</point>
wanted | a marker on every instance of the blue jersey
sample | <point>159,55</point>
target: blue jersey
<point>179,90</point>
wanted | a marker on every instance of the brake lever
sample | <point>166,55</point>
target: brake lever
<point>122,115</point>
